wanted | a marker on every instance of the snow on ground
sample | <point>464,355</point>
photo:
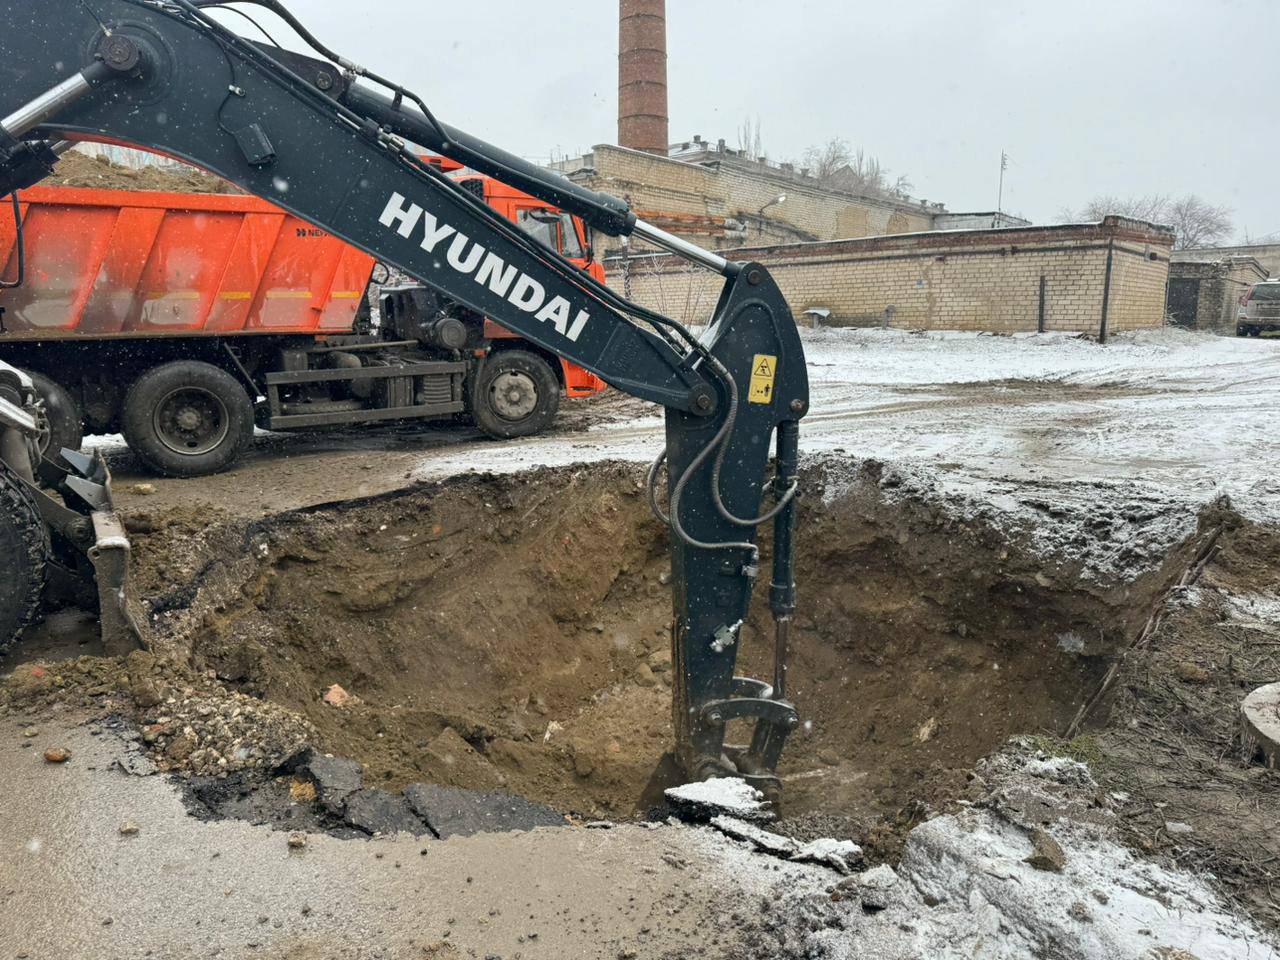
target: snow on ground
<point>1187,416</point>
<point>1163,415</point>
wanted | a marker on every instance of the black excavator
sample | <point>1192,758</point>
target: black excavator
<point>336,144</point>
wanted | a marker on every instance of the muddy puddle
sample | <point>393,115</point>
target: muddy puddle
<point>511,632</point>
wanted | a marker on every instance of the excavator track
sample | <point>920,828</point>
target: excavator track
<point>24,558</point>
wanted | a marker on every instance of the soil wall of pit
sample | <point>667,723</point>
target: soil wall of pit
<point>513,631</point>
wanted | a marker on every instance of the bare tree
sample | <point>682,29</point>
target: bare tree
<point>750,141</point>
<point>836,164</point>
<point>1196,222</point>
<point>823,161</point>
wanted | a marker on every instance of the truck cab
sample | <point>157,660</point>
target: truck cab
<point>565,234</point>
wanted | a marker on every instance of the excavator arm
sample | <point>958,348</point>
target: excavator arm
<point>330,142</point>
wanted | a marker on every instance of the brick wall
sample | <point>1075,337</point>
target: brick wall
<point>737,189</point>
<point>1217,286</point>
<point>958,280</point>
<point>1267,254</point>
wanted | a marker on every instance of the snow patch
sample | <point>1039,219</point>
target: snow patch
<point>722,795</point>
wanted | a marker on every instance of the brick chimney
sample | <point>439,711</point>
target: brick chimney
<point>642,75</point>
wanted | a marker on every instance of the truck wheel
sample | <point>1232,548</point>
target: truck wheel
<point>516,395</point>
<point>24,553</point>
<point>187,419</point>
<point>66,422</point>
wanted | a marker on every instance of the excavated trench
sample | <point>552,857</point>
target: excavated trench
<point>512,631</point>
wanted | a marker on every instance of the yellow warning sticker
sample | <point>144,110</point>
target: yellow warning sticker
<point>763,369</point>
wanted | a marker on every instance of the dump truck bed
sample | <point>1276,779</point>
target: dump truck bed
<point>112,263</point>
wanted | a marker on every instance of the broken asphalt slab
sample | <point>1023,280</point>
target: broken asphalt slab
<point>720,796</point>
<point>379,812</point>
<point>336,778</point>
<point>339,804</point>
<point>456,812</point>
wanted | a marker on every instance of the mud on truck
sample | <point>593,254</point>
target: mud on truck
<point>182,320</point>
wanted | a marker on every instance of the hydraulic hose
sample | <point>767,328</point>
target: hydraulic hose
<point>21,247</point>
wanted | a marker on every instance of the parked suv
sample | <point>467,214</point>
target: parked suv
<point>1261,310</point>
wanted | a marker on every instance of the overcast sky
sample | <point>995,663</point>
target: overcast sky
<point>1087,97</point>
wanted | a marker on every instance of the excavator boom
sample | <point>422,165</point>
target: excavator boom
<point>329,141</point>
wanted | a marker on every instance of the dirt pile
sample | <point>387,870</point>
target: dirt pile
<point>187,722</point>
<point>77,169</point>
<point>511,632</point>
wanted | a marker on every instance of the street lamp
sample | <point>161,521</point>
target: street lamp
<point>781,198</point>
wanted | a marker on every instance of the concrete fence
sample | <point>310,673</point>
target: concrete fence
<point>1077,277</point>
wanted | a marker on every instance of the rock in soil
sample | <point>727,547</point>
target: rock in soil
<point>875,887</point>
<point>1260,718</point>
<point>335,696</point>
<point>57,755</point>
<point>1046,852</point>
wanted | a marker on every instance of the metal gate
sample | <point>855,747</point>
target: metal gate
<point>1184,298</point>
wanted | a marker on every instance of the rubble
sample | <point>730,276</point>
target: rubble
<point>215,733</point>
<point>965,888</point>
<point>839,855</point>
<point>763,840</point>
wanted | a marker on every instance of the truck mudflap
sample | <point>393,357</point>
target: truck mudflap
<point>108,550</point>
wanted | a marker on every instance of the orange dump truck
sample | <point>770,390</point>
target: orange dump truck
<point>180,320</point>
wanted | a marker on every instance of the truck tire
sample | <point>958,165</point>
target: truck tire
<point>516,395</point>
<point>187,419</point>
<point>66,421</point>
<point>24,556</point>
